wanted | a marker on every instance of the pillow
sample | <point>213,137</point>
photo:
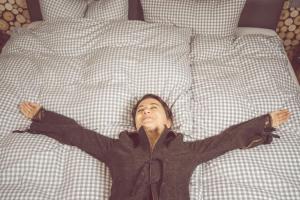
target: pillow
<point>95,72</point>
<point>105,10</point>
<point>247,79</point>
<point>67,8</point>
<point>209,47</point>
<point>217,17</point>
<point>135,10</point>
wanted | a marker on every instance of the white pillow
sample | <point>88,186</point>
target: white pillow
<point>209,47</point>
<point>247,79</point>
<point>105,10</point>
<point>217,17</point>
<point>66,8</point>
<point>95,72</point>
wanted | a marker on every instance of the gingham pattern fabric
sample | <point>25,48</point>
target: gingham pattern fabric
<point>107,73</point>
<point>105,10</point>
<point>216,17</point>
<point>228,89</point>
<point>248,78</point>
<point>221,46</point>
<point>82,73</point>
<point>68,8</point>
<point>94,73</point>
<point>265,172</point>
<point>36,167</point>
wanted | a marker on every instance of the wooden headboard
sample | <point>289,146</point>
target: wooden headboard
<point>257,13</point>
<point>261,13</point>
<point>34,10</point>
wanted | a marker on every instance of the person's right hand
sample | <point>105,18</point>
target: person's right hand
<point>29,109</point>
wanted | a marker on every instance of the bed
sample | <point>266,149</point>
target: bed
<point>91,63</point>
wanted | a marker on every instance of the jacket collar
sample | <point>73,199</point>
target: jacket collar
<point>140,137</point>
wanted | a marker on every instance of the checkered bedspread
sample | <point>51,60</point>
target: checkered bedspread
<point>95,72</point>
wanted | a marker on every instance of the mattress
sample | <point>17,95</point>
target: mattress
<point>94,72</point>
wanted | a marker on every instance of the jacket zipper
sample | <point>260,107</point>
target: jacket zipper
<point>150,172</point>
<point>150,177</point>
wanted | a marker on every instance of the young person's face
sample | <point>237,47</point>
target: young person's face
<point>151,115</point>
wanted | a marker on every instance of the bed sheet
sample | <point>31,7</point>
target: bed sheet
<point>95,72</point>
<point>234,80</point>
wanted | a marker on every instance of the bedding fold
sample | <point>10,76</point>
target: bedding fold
<point>94,72</point>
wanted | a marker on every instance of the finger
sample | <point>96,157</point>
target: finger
<point>22,110</point>
<point>25,104</point>
<point>36,108</point>
<point>281,121</point>
<point>284,117</point>
<point>284,110</point>
<point>275,114</point>
<point>22,104</point>
<point>25,113</point>
<point>23,107</point>
<point>31,109</point>
<point>34,105</point>
<point>31,105</point>
<point>282,113</point>
<point>27,108</point>
<point>29,114</point>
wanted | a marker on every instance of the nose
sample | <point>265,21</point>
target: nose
<point>146,111</point>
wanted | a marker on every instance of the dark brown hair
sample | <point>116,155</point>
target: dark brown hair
<point>168,111</point>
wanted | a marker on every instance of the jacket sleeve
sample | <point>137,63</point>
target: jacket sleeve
<point>68,131</point>
<point>244,135</point>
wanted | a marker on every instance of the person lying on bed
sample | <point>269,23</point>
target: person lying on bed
<point>152,162</point>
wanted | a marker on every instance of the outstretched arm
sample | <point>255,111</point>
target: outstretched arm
<point>37,113</point>
<point>65,130</point>
<point>244,135</point>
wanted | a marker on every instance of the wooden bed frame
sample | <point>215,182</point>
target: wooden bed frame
<point>257,13</point>
<point>261,13</point>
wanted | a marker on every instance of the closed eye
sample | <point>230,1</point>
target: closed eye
<point>140,110</point>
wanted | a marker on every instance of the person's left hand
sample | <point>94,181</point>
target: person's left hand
<point>279,117</point>
<point>29,109</point>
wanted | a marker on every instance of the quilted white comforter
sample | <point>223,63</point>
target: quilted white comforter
<point>95,72</point>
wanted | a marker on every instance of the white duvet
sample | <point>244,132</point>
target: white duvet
<point>95,72</point>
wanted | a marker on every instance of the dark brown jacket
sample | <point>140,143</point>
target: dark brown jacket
<point>141,174</point>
